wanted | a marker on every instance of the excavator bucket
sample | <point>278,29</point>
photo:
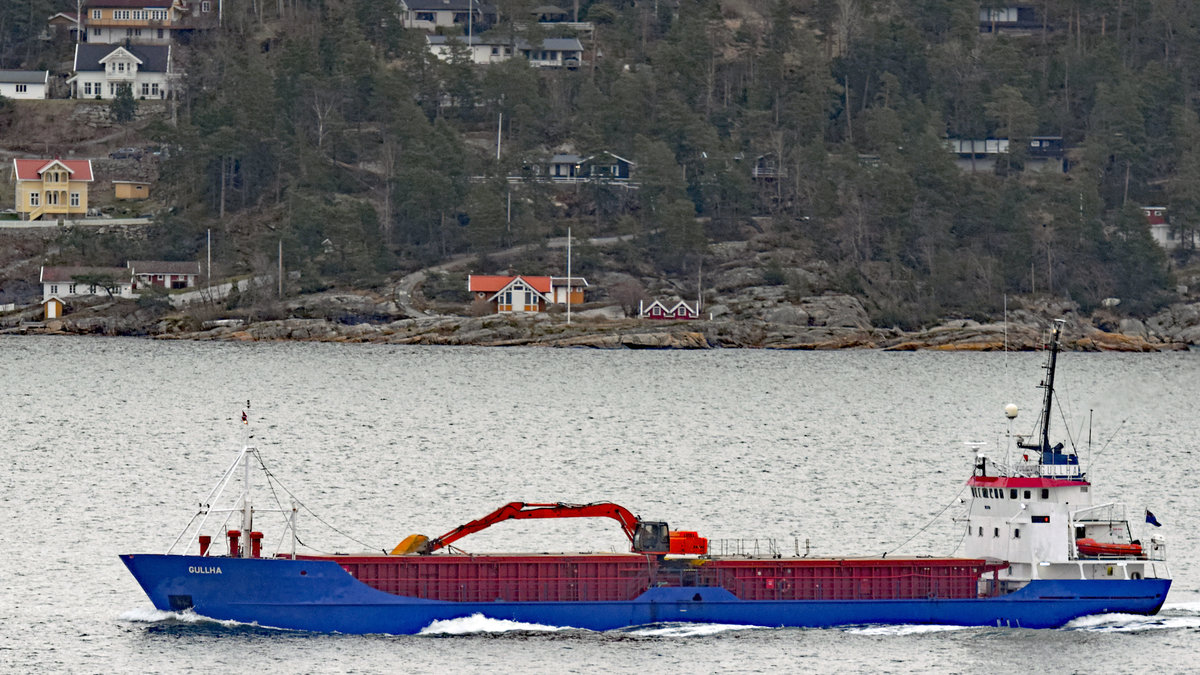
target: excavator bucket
<point>411,544</point>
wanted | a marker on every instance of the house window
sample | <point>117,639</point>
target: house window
<point>128,33</point>
<point>495,51</point>
<point>87,88</point>
<point>21,88</point>
<point>160,33</point>
<point>75,199</point>
<point>981,530</point>
<point>154,89</point>
<point>54,289</point>
<point>35,199</point>
<point>96,13</point>
<point>51,198</point>
<point>112,89</point>
<point>425,16</point>
<point>1016,533</point>
<point>145,89</point>
<point>139,15</point>
<point>996,533</point>
<point>206,6</point>
<point>121,14</point>
<point>95,32</point>
<point>137,32</point>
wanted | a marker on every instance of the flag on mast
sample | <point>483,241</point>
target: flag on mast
<point>1151,519</point>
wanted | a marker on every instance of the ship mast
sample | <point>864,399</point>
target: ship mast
<point>1048,385</point>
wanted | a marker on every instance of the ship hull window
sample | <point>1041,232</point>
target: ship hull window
<point>1016,533</point>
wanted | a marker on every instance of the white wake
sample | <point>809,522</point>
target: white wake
<point>478,623</point>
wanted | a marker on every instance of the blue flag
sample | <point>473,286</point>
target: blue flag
<point>1151,519</point>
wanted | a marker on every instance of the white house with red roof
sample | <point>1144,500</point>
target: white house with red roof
<point>1161,231</point>
<point>521,293</point>
<point>67,282</point>
<point>51,187</point>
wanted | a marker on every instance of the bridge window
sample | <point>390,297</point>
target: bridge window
<point>1045,493</point>
<point>1012,494</point>
<point>1027,493</point>
<point>981,530</point>
<point>1016,533</point>
<point>996,533</point>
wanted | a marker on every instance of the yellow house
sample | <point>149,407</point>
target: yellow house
<point>52,187</point>
<point>128,189</point>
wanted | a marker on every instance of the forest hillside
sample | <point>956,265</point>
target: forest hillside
<point>827,131</point>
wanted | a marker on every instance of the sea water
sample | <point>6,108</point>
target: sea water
<point>109,445</point>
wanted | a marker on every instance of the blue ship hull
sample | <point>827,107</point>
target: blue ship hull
<point>321,596</point>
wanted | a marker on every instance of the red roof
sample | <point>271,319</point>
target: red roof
<point>31,169</point>
<point>1155,215</point>
<point>491,283</point>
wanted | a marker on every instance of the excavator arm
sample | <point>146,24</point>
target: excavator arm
<point>644,537</point>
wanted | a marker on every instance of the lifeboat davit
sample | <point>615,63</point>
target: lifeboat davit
<point>1091,547</point>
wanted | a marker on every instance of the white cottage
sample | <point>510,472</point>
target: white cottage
<point>66,282</point>
<point>30,84</point>
<point>485,49</point>
<point>101,69</point>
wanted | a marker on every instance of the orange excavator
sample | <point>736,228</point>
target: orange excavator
<point>644,536</point>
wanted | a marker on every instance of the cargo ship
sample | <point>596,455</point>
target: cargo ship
<point>1037,553</point>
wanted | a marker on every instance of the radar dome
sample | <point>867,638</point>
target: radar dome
<point>1010,411</point>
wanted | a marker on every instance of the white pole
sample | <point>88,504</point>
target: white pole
<point>499,126</point>
<point>210,256</point>
<point>246,523</point>
<point>568,275</point>
<point>280,268</point>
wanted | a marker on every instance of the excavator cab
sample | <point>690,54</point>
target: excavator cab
<point>651,537</point>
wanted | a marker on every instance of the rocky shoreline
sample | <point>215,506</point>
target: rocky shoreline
<point>828,321</point>
<point>605,333</point>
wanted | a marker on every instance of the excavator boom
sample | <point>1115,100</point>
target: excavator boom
<point>643,537</point>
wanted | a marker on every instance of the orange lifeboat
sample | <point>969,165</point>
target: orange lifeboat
<point>1093,548</point>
